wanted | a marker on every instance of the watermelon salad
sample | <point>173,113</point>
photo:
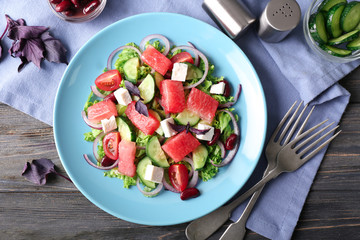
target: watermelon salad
<point>160,119</point>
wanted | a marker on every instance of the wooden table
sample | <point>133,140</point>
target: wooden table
<point>59,211</point>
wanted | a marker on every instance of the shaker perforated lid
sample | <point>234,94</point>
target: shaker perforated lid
<point>232,16</point>
<point>278,19</point>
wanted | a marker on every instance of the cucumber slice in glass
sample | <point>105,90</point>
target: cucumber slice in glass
<point>333,20</point>
<point>350,17</point>
<point>141,169</point>
<point>147,88</point>
<point>344,38</point>
<point>317,27</point>
<point>155,152</point>
<point>338,52</point>
<point>354,44</point>
<point>327,4</point>
<point>131,69</point>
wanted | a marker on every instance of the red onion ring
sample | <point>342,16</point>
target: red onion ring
<point>90,124</point>
<point>153,192</point>
<point>222,148</point>
<point>169,186</point>
<point>196,57</point>
<point>202,56</point>
<point>97,139</point>
<point>236,97</point>
<point>156,36</point>
<point>109,62</point>
<point>194,175</point>
<point>233,151</point>
<point>96,92</point>
<point>100,167</point>
<point>141,147</point>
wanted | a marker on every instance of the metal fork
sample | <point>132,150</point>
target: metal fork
<point>288,159</point>
<point>237,230</point>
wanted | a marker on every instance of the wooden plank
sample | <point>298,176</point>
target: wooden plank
<point>351,83</point>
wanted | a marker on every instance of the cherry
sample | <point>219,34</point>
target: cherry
<point>231,141</point>
<point>55,1</point>
<point>111,97</point>
<point>69,12</point>
<point>106,161</point>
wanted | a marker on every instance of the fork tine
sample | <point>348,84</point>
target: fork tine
<point>301,136</point>
<point>276,131</point>
<point>305,122</point>
<point>295,125</point>
<point>308,157</point>
<point>312,137</point>
<point>289,123</point>
<point>318,140</point>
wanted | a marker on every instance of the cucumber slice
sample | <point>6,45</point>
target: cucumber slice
<point>193,72</point>
<point>200,155</point>
<point>350,17</point>
<point>333,20</point>
<point>157,116</point>
<point>131,69</point>
<point>327,4</point>
<point>354,45</point>
<point>155,152</point>
<point>317,27</point>
<point>158,78</point>
<point>126,130</point>
<point>141,169</point>
<point>120,109</point>
<point>147,88</point>
<point>344,38</point>
<point>187,117</point>
<point>338,52</point>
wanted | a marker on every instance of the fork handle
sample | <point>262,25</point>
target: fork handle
<point>237,230</point>
<point>205,226</point>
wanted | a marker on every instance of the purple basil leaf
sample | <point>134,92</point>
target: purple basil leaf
<point>19,22</point>
<point>198,131</point>
<point>24,61</point>
<point>178,128</point>
<point>38,170</point>
<point>16,48</point>
<point>187,127</point>
<point>54,50</point>
<point>141,108</point>
<point>26,32</point>
<point>132,89</point>
<point>33,51</point>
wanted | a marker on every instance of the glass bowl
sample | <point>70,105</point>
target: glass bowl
<point>315,46</point>
<point>79,16</point>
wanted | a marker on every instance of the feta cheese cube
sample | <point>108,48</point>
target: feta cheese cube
<point>179,72</point>
<point>168,131</point>
<point>108,124</point>
<point>123,97</point>
<point>207,136</point>
<point>218,88</point>
<point>154,174</point>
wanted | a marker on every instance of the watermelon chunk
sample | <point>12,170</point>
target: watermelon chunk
<point>147,125</point>
<point>126,165</point>
<point>202,104</point>
<point>101,110</point>
<point>156,60</point>
<point>180,145</point>
<point>172,96</point>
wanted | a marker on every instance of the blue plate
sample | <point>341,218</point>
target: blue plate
<point>130,204</point>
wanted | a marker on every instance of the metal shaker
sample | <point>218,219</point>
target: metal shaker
<point>278,19</point>
<point>232,16</point>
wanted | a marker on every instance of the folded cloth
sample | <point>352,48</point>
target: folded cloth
<point>285,77</point>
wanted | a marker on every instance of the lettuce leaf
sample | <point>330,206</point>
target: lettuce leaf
<point>90,136</point>
<point>114,173</point>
